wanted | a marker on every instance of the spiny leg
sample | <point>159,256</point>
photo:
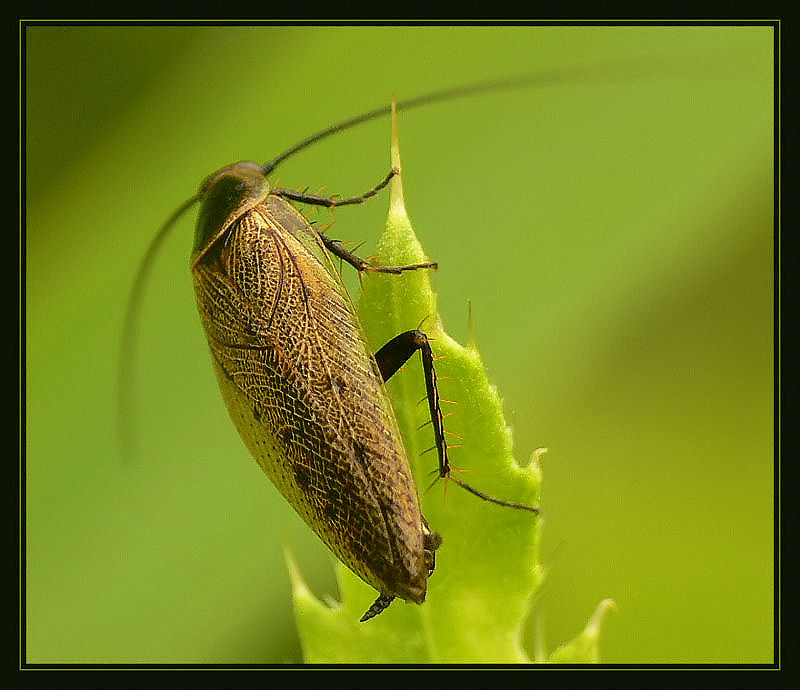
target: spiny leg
<point>335,247</point>
<point>330,202</point>
<point>390,358</point>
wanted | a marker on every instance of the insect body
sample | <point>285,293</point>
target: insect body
<point>300,383</point>
<point>299,380</point>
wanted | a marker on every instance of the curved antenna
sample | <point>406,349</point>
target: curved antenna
<point>610,71</point>
<point>125,397</point>
<point>425,99</point>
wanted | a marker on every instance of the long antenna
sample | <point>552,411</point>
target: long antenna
<point>131,327</point>
<point>543,78</point>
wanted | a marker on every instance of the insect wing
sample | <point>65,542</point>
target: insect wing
<point>307,398</point>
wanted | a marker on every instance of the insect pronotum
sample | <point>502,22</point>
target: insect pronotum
<point>300,382</point>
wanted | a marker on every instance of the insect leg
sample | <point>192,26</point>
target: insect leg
<point>379,605</point>
<point>331,202</point>
<point>389,359</point>
<point>335,247</point>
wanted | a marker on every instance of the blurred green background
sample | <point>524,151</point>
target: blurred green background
<point>613,230</point>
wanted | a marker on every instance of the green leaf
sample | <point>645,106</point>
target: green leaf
<point>486,569</point>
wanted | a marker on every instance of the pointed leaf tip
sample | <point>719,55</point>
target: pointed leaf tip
<point>299,587</point>
<point>397,202</point>
<point>584,649</point>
